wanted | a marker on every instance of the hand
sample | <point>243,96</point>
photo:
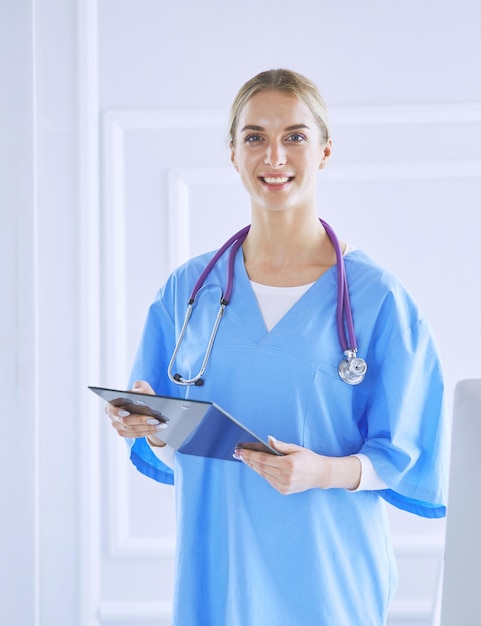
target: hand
<point>135,425</point>
<point>300,469</point>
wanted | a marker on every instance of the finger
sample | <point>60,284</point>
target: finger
<point>252,456</point>
<point>135,429</point>
<point>142,386</point>
<point>128,424</point>
<point>116,412</point>
<point>282,446</point>
<point>123,430</point>
<point>110,409</point>
<point>141,423</point>
<point>276,476</point>
<point>265,464</point>
<point>277,470</point>
<point>272,466</point>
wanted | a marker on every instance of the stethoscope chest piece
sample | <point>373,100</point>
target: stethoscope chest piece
<point>352,369</point>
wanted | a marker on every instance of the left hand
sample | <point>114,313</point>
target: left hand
<point>139,424</point>
<point>297,470</point>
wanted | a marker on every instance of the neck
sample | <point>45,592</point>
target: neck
<point>284,251</point>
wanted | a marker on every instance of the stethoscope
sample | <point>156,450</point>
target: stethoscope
<point>352,369</point>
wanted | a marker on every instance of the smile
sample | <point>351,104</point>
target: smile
<point>278,180</point>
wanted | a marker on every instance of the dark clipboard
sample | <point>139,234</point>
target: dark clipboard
<point>194,427</point>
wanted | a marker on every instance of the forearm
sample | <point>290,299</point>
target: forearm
<point>341,473</point>
<point>162,451</point>
<point>155,441</point>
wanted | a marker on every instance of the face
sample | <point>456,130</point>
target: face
<point>278,151</point>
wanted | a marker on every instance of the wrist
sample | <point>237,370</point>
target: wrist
<point>344,473</point>
<point>155,441</point>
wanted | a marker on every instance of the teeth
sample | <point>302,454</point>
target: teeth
<point>279,180</point>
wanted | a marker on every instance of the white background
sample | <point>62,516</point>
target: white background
<point>114,169</point>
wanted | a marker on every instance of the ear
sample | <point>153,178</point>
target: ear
<point>232,158</point>
<point>326,153</point>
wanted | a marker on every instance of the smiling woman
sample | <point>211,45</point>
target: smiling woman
<point>300,537</point>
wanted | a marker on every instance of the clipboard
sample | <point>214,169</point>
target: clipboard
<point>195,427</point>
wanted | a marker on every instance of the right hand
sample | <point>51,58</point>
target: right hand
<point>136,425</point>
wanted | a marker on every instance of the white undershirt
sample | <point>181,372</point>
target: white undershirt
<point>274,303</point>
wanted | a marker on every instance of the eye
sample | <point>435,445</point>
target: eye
<point>252,138</point>
<point>296,137</point>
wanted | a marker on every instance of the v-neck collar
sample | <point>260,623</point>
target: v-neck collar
<point>248,307</point>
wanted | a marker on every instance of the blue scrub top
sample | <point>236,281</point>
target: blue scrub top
<point>246,554</point>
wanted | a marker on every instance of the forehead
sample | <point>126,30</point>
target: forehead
<point>275,108</point>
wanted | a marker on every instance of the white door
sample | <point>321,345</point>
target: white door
<point>131,175</point>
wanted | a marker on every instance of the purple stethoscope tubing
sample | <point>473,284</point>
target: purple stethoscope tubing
<point>352,369</point>
<point>343,311</point>
<point>237,240</point>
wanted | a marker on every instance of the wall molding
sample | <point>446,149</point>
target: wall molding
<point>428,169</point>
<point>442,113</point>
<point>113,223</point>
<point>408,544</point>
<point>395,114</point>
<point>123,544</point>
<point>180,182</point>
<point>404,612</point>
<point>89,428</point>
<point>136,612</point>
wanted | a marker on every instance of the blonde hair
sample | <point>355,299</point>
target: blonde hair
<point>285,81</point>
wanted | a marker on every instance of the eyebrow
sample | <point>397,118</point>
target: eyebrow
<point>261,128</point>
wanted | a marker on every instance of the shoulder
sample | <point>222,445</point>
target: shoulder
<point>360,266</point>
<point>192,267</point>
<point>181,281</point>
<point>369,277</point>
<point>379,293</point>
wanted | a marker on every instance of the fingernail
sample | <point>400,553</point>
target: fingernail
<point>123,413</point>
<point>161,426</point>
<point>237,455</point>
<point>137,385</point>
<point>273,439</point>
<point>152,420</point>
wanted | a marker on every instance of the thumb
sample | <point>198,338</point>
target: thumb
<point>282,446</point>
<point>142,386</point>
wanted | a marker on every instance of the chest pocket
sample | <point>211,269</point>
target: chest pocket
<point>334,423</point>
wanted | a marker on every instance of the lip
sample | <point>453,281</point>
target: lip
<point>275,181</point>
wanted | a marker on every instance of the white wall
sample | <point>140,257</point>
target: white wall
<point>18,525</point>
<point>111,134</point>
<point>41,326</point>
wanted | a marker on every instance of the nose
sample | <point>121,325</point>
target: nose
<point>276,155</point>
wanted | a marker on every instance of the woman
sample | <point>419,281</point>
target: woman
<point>300,538</point>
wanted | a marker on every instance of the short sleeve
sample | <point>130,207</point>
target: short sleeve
<point>150,365</point>
<point>407,438</point>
